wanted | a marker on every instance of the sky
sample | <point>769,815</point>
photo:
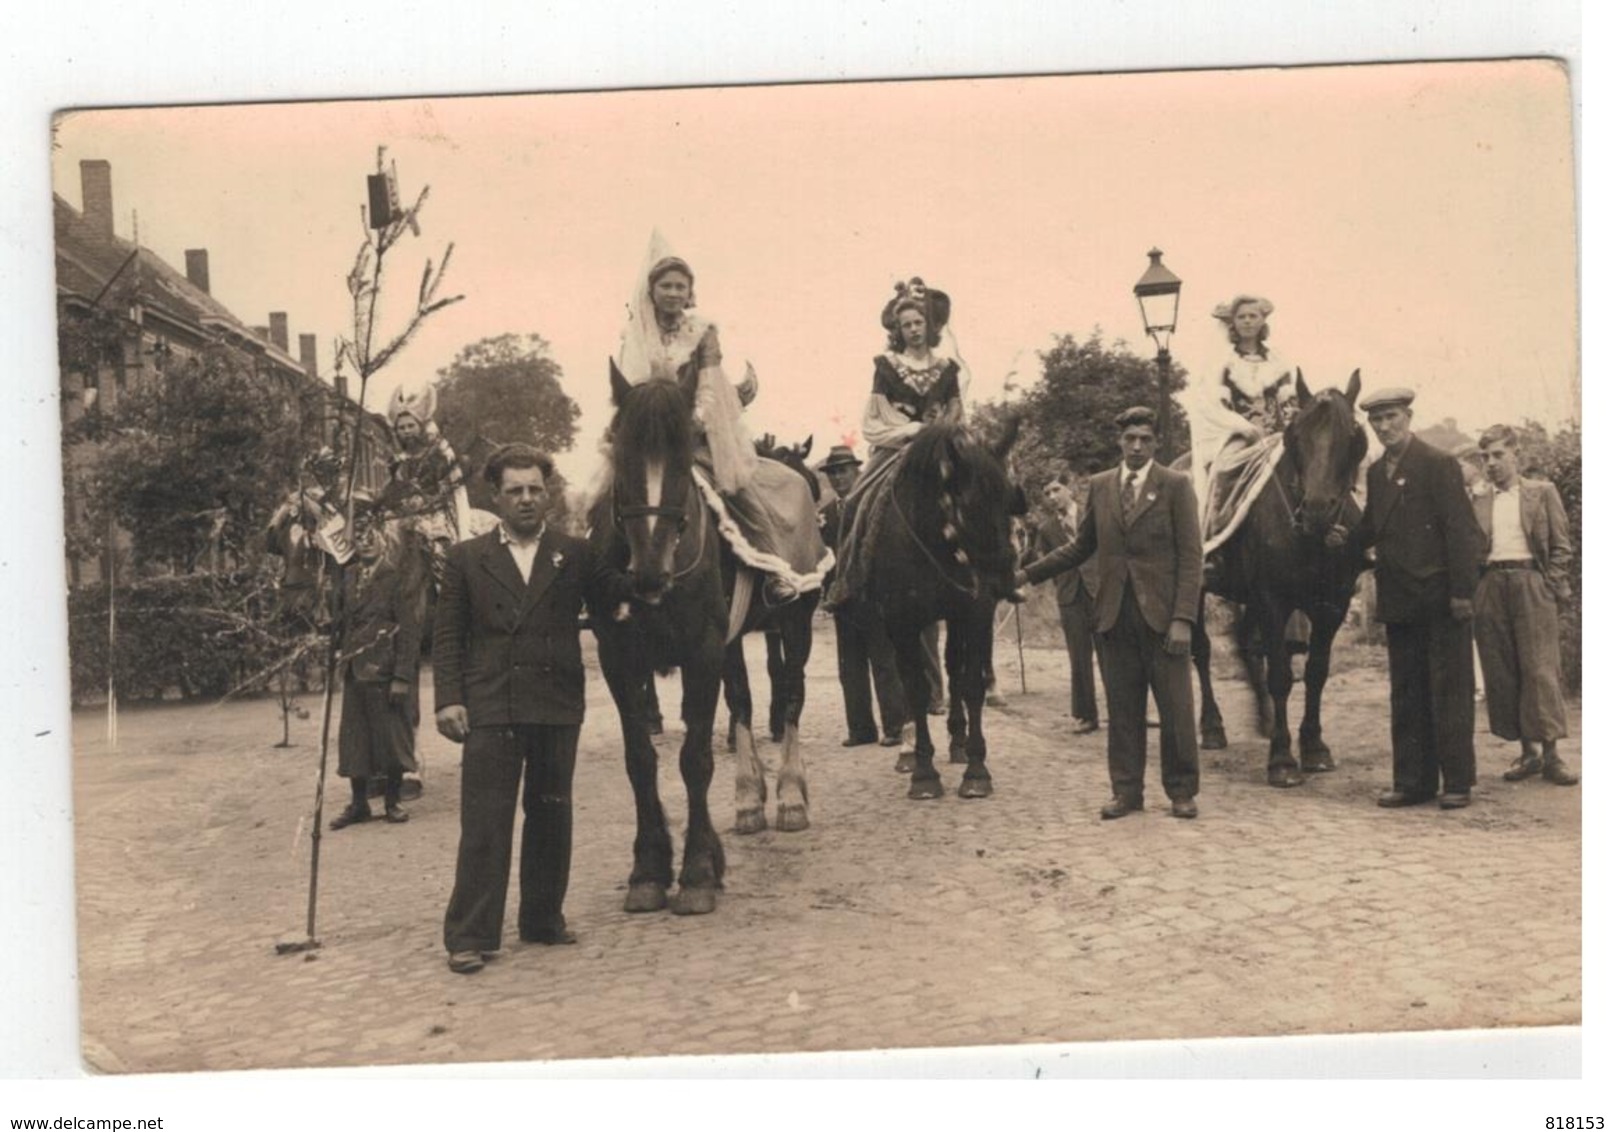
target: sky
<point>1415,221</point>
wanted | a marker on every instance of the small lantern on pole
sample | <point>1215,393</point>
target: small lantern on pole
<point>1157,293</point>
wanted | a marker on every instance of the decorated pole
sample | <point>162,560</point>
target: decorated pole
<point>384,225</point>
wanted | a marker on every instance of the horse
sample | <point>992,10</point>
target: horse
<point>940,548</point>
<point>1278,562</point>
<point>654,524</point>
<point>736,678</point>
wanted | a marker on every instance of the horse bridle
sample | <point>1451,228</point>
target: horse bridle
<point>1294,508</point>
<point>620,515</point>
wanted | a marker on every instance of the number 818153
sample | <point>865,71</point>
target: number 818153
<point>1575,1123</point>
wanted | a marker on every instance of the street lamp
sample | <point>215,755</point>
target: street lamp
<point>1157,294</point>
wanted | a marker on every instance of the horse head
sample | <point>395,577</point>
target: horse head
<point>792,456</point>
<point>965,481</point>
<point>1327,445</point>
<point>652,477</point>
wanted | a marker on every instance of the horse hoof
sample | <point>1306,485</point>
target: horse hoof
<point>645,896</point>
<point>923,789</point>
<point>792,819</point>
<point>1213,739</point>
<point>750,821</point>
<point>906,762</point>
<point>694,901</point>
<point>1317,766</point>
<point>975,788</point>
<point>777,734</point>
<point>1283,779</point>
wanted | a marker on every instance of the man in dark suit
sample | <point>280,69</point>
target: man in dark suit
<point>861,645</point>
<point>509,685</point>
<point>1074,590</point>
<point>1421,526</point>
<point>1142,526</point>
<point>1522,592</point>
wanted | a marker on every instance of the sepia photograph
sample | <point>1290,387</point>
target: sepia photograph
<point>924,565</point>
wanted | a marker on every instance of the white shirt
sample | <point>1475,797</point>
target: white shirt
<point>1138,477</point>
<point>1508,543</point>
<point>524,553</point>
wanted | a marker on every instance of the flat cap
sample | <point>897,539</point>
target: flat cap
<point>1384,398</point>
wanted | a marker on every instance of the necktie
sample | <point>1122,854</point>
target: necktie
<point>1129,494</point>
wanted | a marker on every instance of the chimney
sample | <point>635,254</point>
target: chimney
<point>196,269</point>
<point>341,386</point>
<point>278,333</point>
<point>95,177</point>
<point>308,354</point>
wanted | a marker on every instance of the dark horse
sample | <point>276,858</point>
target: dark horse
<point>654,524</point>
<point>784,696</point>
<point>1277,562</point>
<point>939,548</point>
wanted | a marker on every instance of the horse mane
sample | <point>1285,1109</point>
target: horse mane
<point>652,425</point>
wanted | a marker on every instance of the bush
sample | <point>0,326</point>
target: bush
<point>200,635</point>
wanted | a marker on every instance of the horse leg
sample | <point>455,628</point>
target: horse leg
<point>736,691</point>
<point>750,779</point>
<point>908,642</point>
<point>1281,767</point>
<point>796,646</point>
<point>1212,734</point>
<point>1252,654</point>
<point>652,844</point>
<point>977,634</point>
<point>1315,757</point>
<point>702,872</point>
<point>955,662</point>
<point>778,698</point>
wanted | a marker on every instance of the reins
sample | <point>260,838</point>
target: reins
<point>1293,507</point>
<point>973,590</point>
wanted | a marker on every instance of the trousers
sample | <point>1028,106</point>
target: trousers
<point>1516,629</point>
<point>1432,705</point>
<point>491,771</point>
<point>1135,664</point>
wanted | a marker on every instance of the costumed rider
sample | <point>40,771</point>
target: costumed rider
<point>919,380</point>
<point>1237,406</point>
<point>427,488</point>
<point>764,509</point>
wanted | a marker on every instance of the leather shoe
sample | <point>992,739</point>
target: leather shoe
<point>1523,767</point>
<point>1555,772</point>
<point>397,815</point>
<point>1118,808</point>
<point>1455,800</point>
<point>1086,726</point>
<point>858,741</point>
<point>891,741</point>
<point>995,700</point>
<point>466,962</point>
<point>1395,799</point>
<point>1285,776</point>
<point>1184,808</point>
<point>551,937</point>
<point>353,815</point>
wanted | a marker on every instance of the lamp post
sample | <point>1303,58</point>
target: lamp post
<point>1157,293</point>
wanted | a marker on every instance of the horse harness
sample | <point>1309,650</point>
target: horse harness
<point>621,515</point>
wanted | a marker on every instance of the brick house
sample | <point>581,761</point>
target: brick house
<point>159,315</point>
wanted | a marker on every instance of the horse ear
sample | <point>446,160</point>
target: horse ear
<point>619,385</point>
<point>1301,391</point>
<point>1000,450</point>
<point>807,448</point>
<point>1353,387</point>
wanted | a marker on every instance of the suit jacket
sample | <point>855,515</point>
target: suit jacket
<point>381,618</point>
<point>1427,540</point>
<point>506,649</point>
<point>1546,529</point>
<point>1049,536</point>
<point>830,518</point>
<point>1158,549</point>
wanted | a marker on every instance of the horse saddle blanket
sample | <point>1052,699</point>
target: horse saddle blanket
<point>1236,479</point>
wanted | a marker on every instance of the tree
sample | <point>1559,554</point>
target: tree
<point>1070,411</point>
<point>193,460</point>
<point>500,391</point>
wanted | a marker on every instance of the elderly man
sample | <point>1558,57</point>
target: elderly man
<point>861,644</point>
<point>1427,544</point>
<point>1142,526</point>
<point>1523,587</point>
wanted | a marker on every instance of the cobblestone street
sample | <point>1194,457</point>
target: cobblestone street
<point>889,923</point>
